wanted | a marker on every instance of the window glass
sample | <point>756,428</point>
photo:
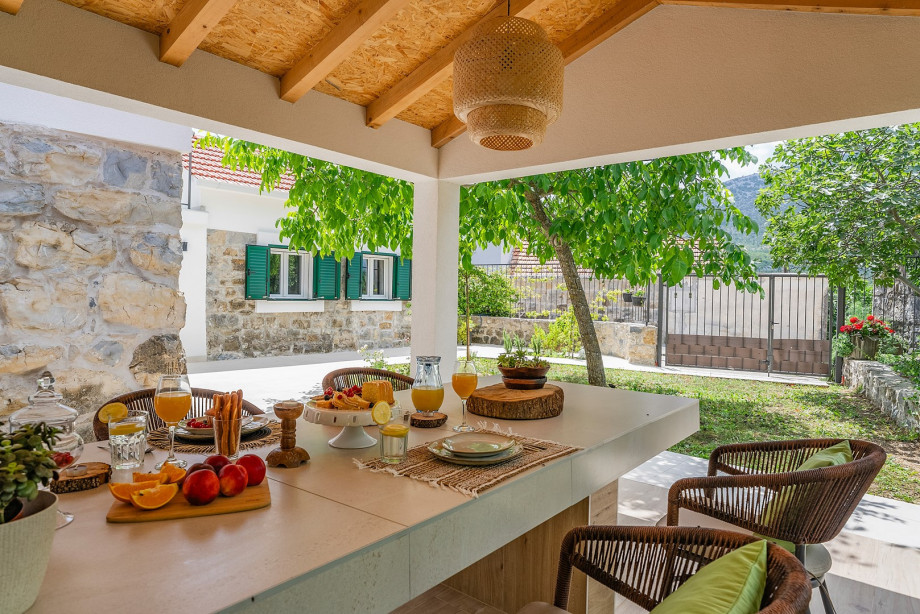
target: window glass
<point>365,288</point>
<point>274,274</point>
<point>293,278</point>
<point>378,278</point>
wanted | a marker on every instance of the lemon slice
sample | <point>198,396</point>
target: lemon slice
<point>126,429</point>
<point>113,411</point>
<point>395,430</point>
<point>381,412</point>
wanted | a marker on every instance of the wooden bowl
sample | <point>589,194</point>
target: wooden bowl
<point>524,372</point>
<point>524,384</point>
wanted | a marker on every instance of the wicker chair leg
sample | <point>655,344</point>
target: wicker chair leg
<point>826,598</point>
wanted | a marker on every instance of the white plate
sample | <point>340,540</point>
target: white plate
<point>183,424</point>
<point>436,448</point>
<point>476,444</point>
<point>250,426</point>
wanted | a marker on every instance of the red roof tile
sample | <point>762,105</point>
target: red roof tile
<point>206,165</point>
<point>527,263</point>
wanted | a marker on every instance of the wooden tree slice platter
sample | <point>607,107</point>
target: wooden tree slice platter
<point>96,475</point>
<point>252,498</point>
<point>497,401</point>
<point>427,421</point>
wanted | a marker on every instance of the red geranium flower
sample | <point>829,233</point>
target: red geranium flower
<point>870,317</point>
<point>858,326</point>
<point>844,328</point>
<point>853,319</point>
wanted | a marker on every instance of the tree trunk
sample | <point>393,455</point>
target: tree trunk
<point>596,375</point>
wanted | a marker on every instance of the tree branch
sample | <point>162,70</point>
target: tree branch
<point>910,229</point>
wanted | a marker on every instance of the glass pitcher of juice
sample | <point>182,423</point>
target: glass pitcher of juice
<point>427,391</point>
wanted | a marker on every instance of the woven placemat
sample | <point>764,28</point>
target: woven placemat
<point>265,436</point>
<point>422,465</point>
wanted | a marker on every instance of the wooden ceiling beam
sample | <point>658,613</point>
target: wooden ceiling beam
<point>901,8</point>
<point>10,6</point>
<point>584,40</point>
<point>189,28</point>
<point>438,68</point>
<point>357,27</point>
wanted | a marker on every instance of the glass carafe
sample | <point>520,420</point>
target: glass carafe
<point>45,406</point>
<point>428,390</point>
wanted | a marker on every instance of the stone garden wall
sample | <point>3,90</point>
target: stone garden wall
<point>89,265</point>
<point>634,342</point>
<point>893,394</point>
<point>235,330</point>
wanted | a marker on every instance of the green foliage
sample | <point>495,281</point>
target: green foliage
<point>516,355</point>
<point>491,294</point>
<point>626,220</point>
<point>845,205</point>
<point>461,330</point>
<point>374,358</point>
<point>842,345</point>
<point>563,335</point>
<point>907,365</point>
<point>332,208</point>
<point>25,462</point>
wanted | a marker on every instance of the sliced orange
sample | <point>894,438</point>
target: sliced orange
<point>122,490</point>
<point>174,474</point>
<point>160,477</point>
<point>154,498</point>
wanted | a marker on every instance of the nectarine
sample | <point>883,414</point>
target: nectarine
<point>233,480</point>
<point>201,487</point>
<point>255,467</point>
<point>218,461</point>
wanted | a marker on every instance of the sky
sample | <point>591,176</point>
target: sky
<point>761,152</point>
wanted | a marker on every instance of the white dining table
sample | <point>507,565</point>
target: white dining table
<point>340,539</point>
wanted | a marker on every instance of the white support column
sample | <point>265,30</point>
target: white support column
<point>435,254</point>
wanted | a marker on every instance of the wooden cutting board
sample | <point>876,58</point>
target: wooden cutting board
<point>497,401</point>
<point>253,498</point>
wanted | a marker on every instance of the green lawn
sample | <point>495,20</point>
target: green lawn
<point>739,410</point>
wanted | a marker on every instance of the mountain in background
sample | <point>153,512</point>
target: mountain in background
<point>745,190</point>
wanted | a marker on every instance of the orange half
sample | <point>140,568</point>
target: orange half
<point>154,498</point>
<point>160,477</point>
<point>123,490</point>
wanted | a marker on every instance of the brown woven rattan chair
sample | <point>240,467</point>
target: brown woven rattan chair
<point>142,400</point>
<point>341,379</point>
<point>813,505</point>
<point>646,564</point>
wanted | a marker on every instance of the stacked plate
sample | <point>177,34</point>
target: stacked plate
<point>476,448</point>
<point>250,424</point>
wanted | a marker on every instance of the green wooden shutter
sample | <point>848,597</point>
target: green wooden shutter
<point>257,272</point>
<point>353,286</point>
<point>402,278</point>
<point>327,272</point>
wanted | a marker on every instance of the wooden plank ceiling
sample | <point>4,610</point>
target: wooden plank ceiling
<point>394,57</point>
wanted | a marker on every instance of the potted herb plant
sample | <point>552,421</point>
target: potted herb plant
<point>638,298</point>
<point>865,336</point>
<point>519,370</point>
<point>28,516</point>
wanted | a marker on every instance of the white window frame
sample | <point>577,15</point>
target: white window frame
<point>306,274</point>
<point>387,278</point>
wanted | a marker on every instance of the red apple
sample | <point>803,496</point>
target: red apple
<point>218,461</point>
<point>199,467</point>
<point>233,480</point>
<point>254,466</point>
<point>201,487</point>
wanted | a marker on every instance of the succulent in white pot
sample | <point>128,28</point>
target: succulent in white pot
<point>28,516</point>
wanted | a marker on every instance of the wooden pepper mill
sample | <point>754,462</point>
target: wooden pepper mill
<point>289,454</point>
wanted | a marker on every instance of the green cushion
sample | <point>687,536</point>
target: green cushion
<point>837,454</point>
<point>732,584</point>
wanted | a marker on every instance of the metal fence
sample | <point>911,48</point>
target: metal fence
<point>542,294</point>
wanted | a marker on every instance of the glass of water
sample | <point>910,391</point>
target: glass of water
<point>394,441</point>
<point>128,440</point>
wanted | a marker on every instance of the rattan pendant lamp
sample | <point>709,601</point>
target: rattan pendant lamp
<point>508,84</point>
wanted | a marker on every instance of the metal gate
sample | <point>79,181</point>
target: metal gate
<point>787,330</point>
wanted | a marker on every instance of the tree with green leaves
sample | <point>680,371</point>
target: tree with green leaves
<point>846,205</point>
<point>628,220</point>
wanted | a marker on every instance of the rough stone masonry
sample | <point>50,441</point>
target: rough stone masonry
<point>89,266</point>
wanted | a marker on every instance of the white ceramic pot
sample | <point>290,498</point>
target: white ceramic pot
<point>26,547</point>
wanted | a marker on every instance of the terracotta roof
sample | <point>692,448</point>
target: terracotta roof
<point>206,165</point>
<point>528,263</point>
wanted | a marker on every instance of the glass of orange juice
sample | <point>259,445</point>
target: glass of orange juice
<point>464,381</point>
<point>428,391</point>
<point>172,401</point>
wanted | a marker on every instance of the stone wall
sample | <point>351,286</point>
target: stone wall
<point>235,330</point>
<point>634,342</point>
<point>89,265</point>
<point>893,394</point>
